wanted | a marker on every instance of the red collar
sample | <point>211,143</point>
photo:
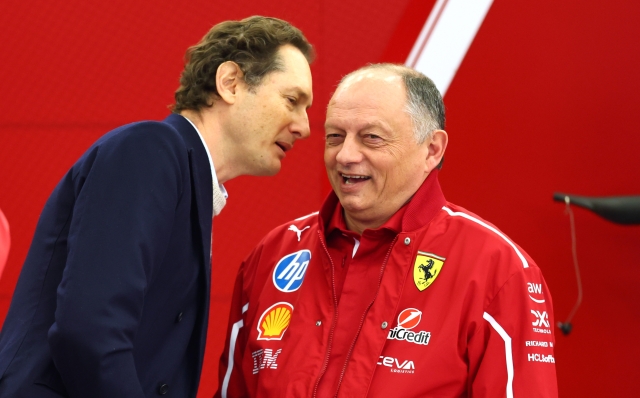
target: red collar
<point>337,221</point>
<point>420,210</point>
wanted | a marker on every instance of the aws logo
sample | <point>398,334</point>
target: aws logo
<point>290,270</point>
<point>274,321</point>
<point>536,290</point>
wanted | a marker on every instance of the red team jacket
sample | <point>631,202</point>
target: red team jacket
<point>460,311</point>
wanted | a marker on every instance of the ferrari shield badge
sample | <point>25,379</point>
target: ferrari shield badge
<point>426,269</point>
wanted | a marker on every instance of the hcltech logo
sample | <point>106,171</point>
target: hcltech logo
<point>289,272</point>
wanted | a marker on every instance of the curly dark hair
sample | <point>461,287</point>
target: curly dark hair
<point>252,43</point>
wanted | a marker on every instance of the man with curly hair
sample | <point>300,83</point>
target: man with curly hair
<point>112,300</point>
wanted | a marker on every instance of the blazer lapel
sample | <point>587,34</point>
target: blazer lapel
<point>201,184</point>
<point>201,209</point>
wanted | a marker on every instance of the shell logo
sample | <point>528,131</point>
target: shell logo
<point>409,318</point>
<point>274,321</point>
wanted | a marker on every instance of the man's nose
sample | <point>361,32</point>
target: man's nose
<point>300,126</point>
<point>349,151</point>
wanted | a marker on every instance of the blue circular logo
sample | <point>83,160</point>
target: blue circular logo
<point>290,270</point>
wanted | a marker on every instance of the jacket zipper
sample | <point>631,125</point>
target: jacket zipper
<point>353,343</point>
<point>335,317</point>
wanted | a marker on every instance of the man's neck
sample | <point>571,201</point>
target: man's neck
<point>206,123</point>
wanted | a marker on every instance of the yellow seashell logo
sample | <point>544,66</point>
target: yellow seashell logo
<point>274,321</point>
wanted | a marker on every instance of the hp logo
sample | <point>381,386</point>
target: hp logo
<point>290,270</point>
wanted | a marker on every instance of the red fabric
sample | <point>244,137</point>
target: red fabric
<point>487,315</point>
<point>5,241</point>
<point>356,281</point>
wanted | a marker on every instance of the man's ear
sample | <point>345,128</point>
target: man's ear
<point>229,78</point>
<point>437,145</point>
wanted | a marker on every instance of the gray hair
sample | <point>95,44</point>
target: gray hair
<point>424,102</point>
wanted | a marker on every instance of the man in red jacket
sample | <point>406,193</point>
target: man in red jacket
<point>390,290</point>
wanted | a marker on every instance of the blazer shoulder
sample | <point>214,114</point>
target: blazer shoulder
<point>146,133</point>
<point>148,147</point>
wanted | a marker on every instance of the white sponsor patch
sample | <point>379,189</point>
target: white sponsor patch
<point>542,319</point>
<point>396,365</point>
<point>541,358</point>
<point>533,343</point>
<point>536,290</point>
<point>297,231</point>
<point>265,359</point>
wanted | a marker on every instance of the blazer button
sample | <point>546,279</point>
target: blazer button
<point>163,389</point>
<point>179,318</point>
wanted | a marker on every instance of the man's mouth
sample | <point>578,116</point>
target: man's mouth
<point>353,178</point>
<point>284,146</point>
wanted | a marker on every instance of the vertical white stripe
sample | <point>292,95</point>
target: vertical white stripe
<point>425,33</point>
<point>446,37</point>
<point>525,263</point>
<point>507,349</point>
<point>235,329</point>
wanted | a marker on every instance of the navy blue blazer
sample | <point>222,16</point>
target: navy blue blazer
<point>113,297</point>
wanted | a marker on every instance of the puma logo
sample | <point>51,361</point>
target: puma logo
<point>297,231</point>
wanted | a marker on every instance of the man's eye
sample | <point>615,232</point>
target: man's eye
<point>292,100</point>
<point>333,138</point>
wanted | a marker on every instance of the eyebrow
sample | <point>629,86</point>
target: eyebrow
<point>366,126</point>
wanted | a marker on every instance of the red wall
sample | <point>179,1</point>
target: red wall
<point>544,101</point>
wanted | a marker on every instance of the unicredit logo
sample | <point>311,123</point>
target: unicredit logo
<point>409,319</point>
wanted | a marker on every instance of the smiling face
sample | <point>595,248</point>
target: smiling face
<point>373,161</point>
<point>269,118</point>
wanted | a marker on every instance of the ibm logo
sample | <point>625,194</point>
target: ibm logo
<point>290,270</point>
<point>265,359</point>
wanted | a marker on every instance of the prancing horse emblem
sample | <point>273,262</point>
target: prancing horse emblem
<point>426,269</point>
<point>297,231</point>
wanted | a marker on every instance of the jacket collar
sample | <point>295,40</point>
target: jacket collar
<point>420,210</point>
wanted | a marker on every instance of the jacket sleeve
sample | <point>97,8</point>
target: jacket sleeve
<point>512,354</point>
<point>232,368</point>
<point>126,194</point>
<point>231,382</point>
